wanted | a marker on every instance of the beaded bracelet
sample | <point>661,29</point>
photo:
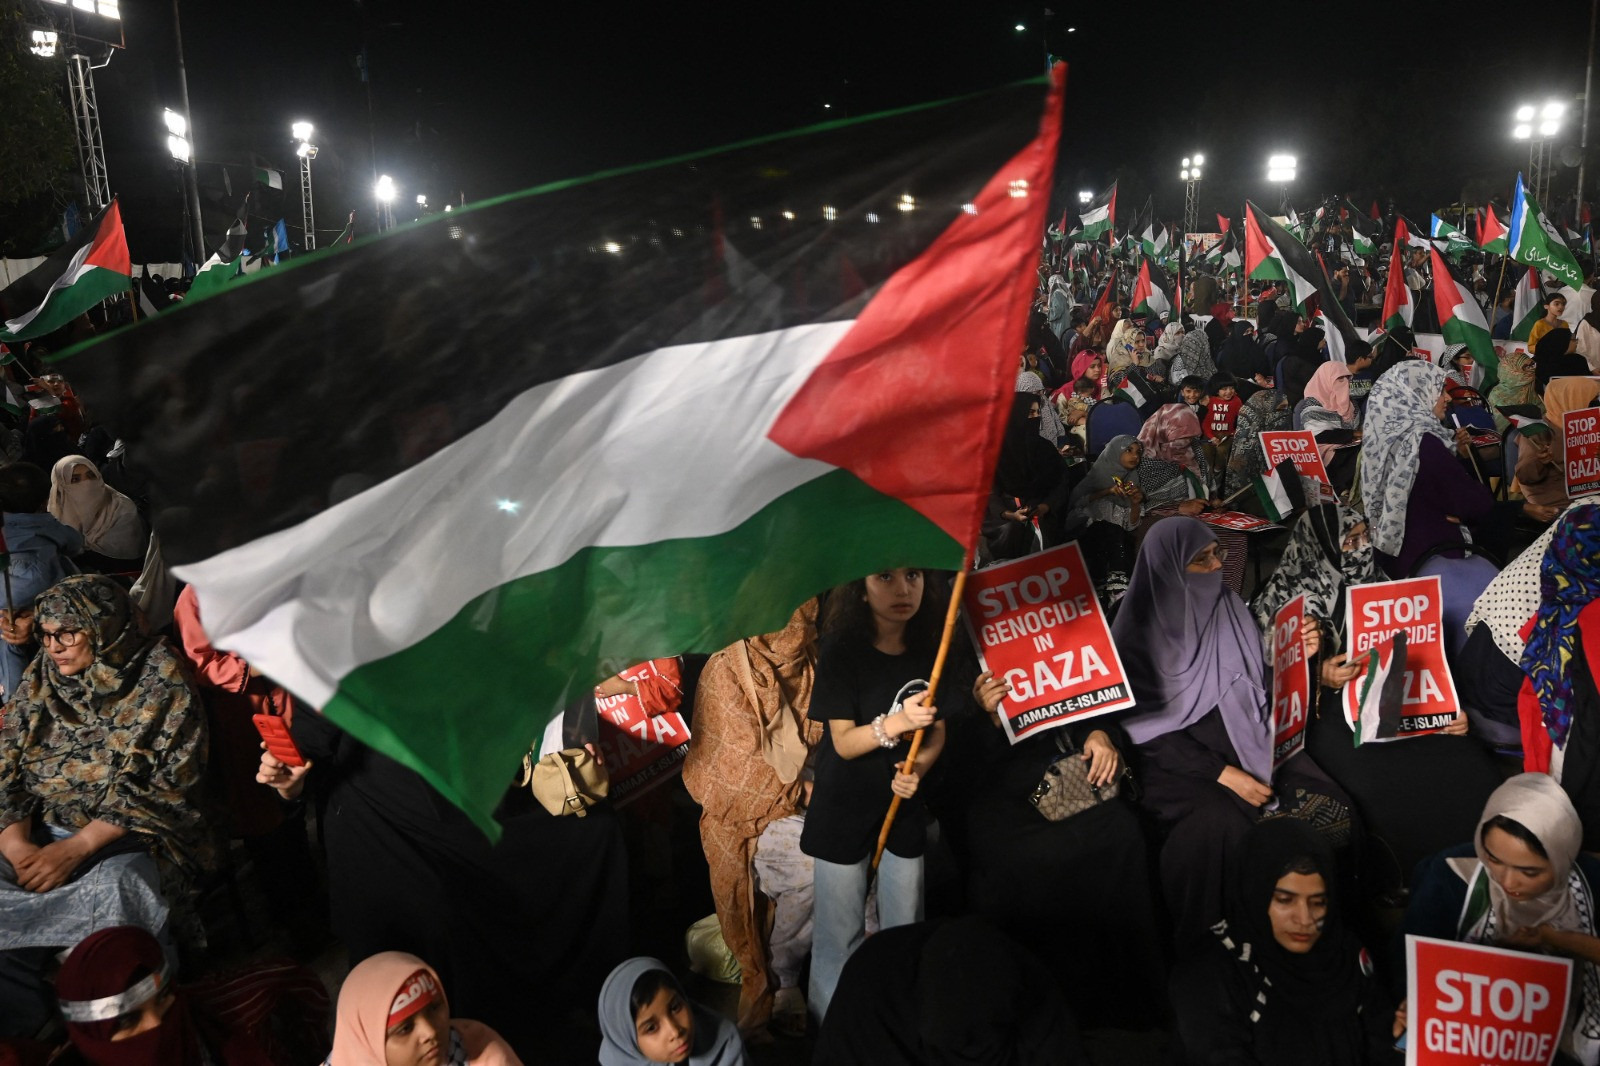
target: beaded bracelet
<point>883,738</point>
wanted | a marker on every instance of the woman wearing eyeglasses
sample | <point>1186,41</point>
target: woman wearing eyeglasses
<point>1202,726</point>
<point>1397,788</point>
<point>101,755</point>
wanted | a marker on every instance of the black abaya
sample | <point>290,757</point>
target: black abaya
<point>540,917</point>
<point>1414,796</point>
<point>1026,872</point>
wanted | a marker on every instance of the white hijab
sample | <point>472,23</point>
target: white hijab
<point>108,520</point>
<point>1537,803</point>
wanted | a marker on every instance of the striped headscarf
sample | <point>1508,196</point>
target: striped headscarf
<point>1569,580</point>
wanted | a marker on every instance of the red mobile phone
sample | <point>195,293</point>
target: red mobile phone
<point>275,732</point>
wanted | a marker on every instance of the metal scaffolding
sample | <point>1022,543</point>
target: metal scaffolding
<point>306,214</point>
<point>86,117</point>
<point>1191,206</point>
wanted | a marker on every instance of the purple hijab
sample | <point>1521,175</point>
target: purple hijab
<point>1189,644</point>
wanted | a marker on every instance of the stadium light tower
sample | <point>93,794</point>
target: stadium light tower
<point>301,131</point>
<point>1281,170</point>
<point>1539,125</point>
<point>386,191</point>
<point>1189,174</point>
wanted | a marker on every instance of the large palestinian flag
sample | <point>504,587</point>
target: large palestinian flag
<point>447,480</point>
<point>1534,242</point>
<point>89,268</point>
<point>1461,320</point>
<point>1100,217</point>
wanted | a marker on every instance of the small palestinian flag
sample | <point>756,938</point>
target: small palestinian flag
<point>1527,305</point>
<point>1150,291</point>
<point>1281,491</point>
<point>1382,691</point>
<point>1494,233</point>
<point>533,496</point>
<point>1265,258</point>
<point>1398,309</point>
<point>1454,240</point>
<point>1406,232</point>
<point>1534,242</point>
<point>1461,320</point>
<point>1102,305</point>
<point>1100,216</point>
<point>86,270</point>
<point>1363,234</point>
<point>1222,223</point>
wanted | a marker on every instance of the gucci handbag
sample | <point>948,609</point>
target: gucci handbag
<point>1064,789</point>
<point>569,781</point>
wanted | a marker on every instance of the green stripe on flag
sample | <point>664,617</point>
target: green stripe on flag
<point>748,580</point>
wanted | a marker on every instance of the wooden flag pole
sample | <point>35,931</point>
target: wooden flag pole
<point>933,687</point>
<point>1494,308</point>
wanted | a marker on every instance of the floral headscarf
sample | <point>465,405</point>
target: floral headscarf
<point>1569,580</point>
<point>1399,415</point>
<point>1515,387</point>
<point>1315,563</point>
<point>1170,434</point>
<point>1193,358</point>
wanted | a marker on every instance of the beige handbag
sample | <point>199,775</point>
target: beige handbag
<point>569,781</point>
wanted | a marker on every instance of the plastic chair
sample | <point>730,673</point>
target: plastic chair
<point>1510,449</point>
<point>1462,582</point>
<point>1107,420</point>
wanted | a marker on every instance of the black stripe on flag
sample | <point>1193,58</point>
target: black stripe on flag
<point>247,408</point>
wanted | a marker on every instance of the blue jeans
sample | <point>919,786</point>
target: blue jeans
<point>840,915</point>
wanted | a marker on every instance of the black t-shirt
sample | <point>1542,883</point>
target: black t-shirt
<point>857,683</point>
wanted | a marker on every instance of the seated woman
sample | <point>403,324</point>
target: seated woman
<point>1559,705</point>
<point>1268,409</point>
<point>102,751</point>
<point>1202,725</point>
<point>1329,415</point>
<point>1089,365</point>
<point>1030,482</point>
<point>745,769</point>
<point>1283,981</point>
<point>114,535</point>
<point>646,1018</point>
<point>948,992</point>
<point>393,1009</point>
<point>1521,883</point>
<point>1416,494</point>
<point>1009,844</point>
<point>1513,387</point>
<point>122,1008</point>
<point>1396,788</point>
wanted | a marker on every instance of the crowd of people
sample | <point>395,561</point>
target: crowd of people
<point>1241,910</point>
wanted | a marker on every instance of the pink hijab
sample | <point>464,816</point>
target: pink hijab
<point>365,1000</point>
<point>1330,386</point>
<point>1168,434</point>
<point>1080,367</point>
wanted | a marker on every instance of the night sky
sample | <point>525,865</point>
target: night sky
<point>471,100</point>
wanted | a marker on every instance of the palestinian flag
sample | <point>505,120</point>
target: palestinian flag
<point>1222,223</point>
<point>1102,305</point>
<point>536,493</point>
<point>1405,231</point>
<point>1280,491</point>
<point>1461,320</point>
<point>1527,305</point>
<point>1153,239</point>
<point>1265,257</point>
<point>1272,253</point>
<point>1150,291</point>
<point>1494,232</point>
<point>1397,306</point>
<point>1455,240</point>
<point>227,262</point>
<point>1534,242</point>
<point>86,270</point>
<point>1100,217</point>
<point>1363,234</point>
<point>1381,690</point>
<point>1377,216</point>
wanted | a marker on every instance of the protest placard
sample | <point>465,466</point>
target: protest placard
<point>640,750</point>
<point>1471,1005</point>
<point>1291,681</point>
<point>1037,625</point>
<point>1238,520</point>
<point>1396,629</point>
<point>1298,446</point>
<point>1580,437</point>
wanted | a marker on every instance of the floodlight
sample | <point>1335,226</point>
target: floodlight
<point>385,190</point>
<point>301,131</point>
<point>177,125</point>
<point>179,147</point>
